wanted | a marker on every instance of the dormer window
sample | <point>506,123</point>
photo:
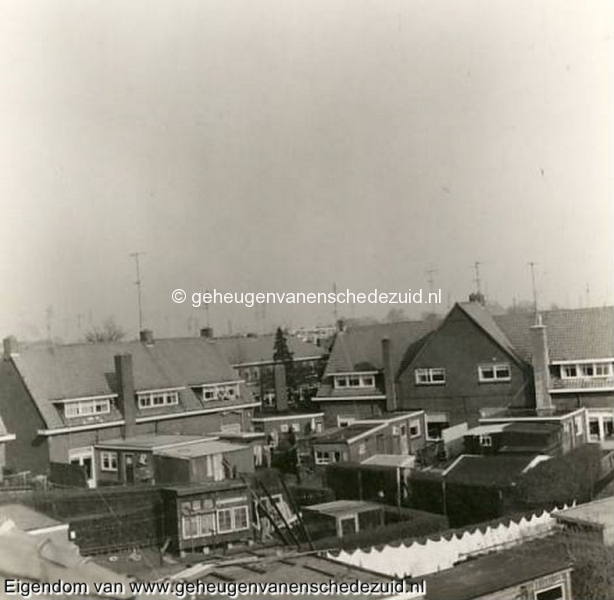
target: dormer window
<point>586,370</point>
<point>354,380</point>
<point>87,408</point>
<point>158,399</point>
<point>226,391</point>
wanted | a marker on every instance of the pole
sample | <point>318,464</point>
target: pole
<point>136,256</point>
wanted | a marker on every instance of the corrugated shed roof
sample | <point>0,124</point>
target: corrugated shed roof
<point>244,350</point>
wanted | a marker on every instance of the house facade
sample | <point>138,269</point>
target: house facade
<point>472,362</point>
<point>61,401</point>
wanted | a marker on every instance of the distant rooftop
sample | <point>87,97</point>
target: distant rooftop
<point>598,512</point>
<point>153,441</point>
<point>340,508</point>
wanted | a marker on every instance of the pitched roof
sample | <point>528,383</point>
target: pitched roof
<point>360,348</point>
<point>573,334</point>
<point>26,518</point>
<point>260,349</point>
<point>63,372</point>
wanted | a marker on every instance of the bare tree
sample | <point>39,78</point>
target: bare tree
<point>109,332</point>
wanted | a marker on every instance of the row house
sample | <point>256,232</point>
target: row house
<point>60,401</point>
<point>472,365</point>
<point>252,358</point>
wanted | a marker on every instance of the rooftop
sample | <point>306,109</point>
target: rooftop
<point>340,508</point>
<point>478,577</point>
<point>26,518</point>
<point>153,442</point>
<point>209,486</point>
<point>342,435</point>
<point>203,448</point>
<point>598,512</point>
<point>487,471</point>
<point>398,461</point>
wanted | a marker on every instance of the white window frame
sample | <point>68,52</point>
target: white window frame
<point>148,400</point>
<point>600,370</point>
<point>362,449</point>
<point>354,381</point>
<point>428,376</point>
<point>220,392</point>
<point>495,378</point>
<point>109,461</point>
<point>87,408</point>
<point>232,512</point>
<point>552,587</point>
<point>345,421</point>
<point>284,428</point>
<point>578,425</point>
<point>485,441</point>
<point>322,457</point>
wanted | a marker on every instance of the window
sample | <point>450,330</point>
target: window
<point>586,370</point>
<point>224,520</point>
<point>578,426</point>
<point>553,593</point>
<point>434,376</point>
<point>362,449</point>
<point>108,461</point>
<point>325,458</point>
<point>296,427</point>
<point>345,421</point>
<point>494,372</point>
<point>355,381</point>
<point>241,518</point>
<point>220,392</point>
<point>414,428</point>
<point>232,519</point>
<point>86,408</point>
<point>198,525</point>
<point>284,428</point>
<point>157,399</point>
<point>485,441</point>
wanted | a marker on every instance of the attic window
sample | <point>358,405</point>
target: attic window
<point>354,381</point>
<point>485,441</point>
<point>220,392</point>
<point>494,372</point>
<point>86,408</point>
<point>158,399</point>
<point>586,370</point>
<point>433,376</point>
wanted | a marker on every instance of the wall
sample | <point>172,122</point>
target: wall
<point>460,346</point>
<point>28,452</point>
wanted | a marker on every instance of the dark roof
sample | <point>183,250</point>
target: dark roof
<point>573,334</point>
<point>485,575</point>
<point>209,486</point>
<point>82,370</point>
<point>488,471</point>
<point>260,349</point>
<point>360,348</point>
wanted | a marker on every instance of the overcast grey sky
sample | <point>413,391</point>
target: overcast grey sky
<point>286,145</point>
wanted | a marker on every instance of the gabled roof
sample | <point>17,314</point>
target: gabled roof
<point>242,350</point>
<point>573,334</point>
<point>72,371</point>
<point>360,348</point>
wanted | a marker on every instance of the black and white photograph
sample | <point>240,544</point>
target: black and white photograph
<point>307,298</point>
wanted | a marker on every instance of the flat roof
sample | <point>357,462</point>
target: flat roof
<point>207,486</point>
<point>344,434</point>
<point>338,508</point>
<point>26,518</point>
<point>400,461</point>
<point>598,512</point>
<point>204,448</point>
<point>487,429</point>
<point>152,441</point>
<point>484,575</point>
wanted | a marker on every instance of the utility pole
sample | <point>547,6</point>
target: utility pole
<point>335,314</point>
<point>532,266</point>
<point>136,256</point>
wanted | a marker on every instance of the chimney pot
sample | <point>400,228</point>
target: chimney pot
<point>146,336</point>
<point>11,347</point>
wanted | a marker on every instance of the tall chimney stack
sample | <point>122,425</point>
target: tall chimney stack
<point>389,383</point>
<point>126,398</point>
<point>281,388</point>
<point>541,364</point>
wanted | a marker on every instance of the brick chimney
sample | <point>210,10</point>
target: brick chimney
<point>541,363</point>
<point>206,332</point>
<point>281,388</point>
<point>146,336</point>
<point>389,383</point>
<point>126,398</point>
<point>10,347</point>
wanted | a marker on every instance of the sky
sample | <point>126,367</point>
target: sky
<point>289,145</point>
